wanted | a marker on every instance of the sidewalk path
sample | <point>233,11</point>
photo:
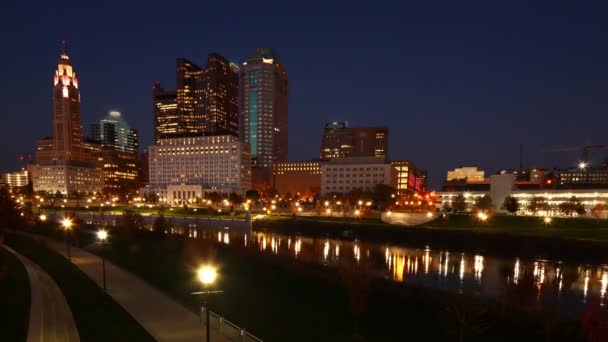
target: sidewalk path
<point>161,316</point>
<point>50,315</point>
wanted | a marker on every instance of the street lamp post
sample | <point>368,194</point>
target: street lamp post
<point>206,276</point>
<point>67,225</point>
<point>102,236</point>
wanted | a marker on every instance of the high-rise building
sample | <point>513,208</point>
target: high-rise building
<point>264,110</point>
<point>117,153</point>
<point>339,141</point>
<point>220,96</point>
<point>65,165</point>
<point>114,132</point>
<point>166,117</point>
<point>205,101</point>
<point>189,107</point>
<point>68,130</point>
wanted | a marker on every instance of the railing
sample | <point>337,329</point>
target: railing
<point>228,329</point>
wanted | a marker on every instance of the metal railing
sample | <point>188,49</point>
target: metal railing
<point>228,329</point>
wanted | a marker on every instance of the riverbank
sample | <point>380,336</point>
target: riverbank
<point>577,240</point>
<point>281,299</point>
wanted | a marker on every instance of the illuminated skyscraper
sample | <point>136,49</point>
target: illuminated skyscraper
<point>166,117</point>
<point>340,141</point>
<point>69,134</point>
<point>114,132</point>
<point>63,164</point>
<point>264,117</point>
<point>204,103</point>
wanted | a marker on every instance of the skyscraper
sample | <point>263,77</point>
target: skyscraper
<point>69,135</point>
<point>340,141</point>
<point>166,117</point>
<point>220,96</point>
<point>114,132</point>
<point>62,163</point>
<point>264,117</point>
<point>205,101</point>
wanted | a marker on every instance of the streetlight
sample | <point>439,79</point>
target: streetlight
<point>67,226</point>
<point>582,165</point>
<point>102,236</point>
<point>42,218</point>
<point>206,276</point>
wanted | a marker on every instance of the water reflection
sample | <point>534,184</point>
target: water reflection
<point>556,284</point>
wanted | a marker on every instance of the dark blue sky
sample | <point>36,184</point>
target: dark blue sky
<point>457,83</point>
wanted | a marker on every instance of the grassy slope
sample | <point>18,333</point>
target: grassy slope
<point>14,298</point>
<point>97,316</point>
<point>282,299</point>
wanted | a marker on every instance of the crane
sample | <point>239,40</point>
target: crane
<point>585,151</point>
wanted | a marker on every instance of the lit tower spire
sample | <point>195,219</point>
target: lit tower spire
<point>68,130</point>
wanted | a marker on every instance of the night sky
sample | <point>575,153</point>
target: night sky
<point>457,83</point>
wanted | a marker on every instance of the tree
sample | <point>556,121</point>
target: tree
<point>235,198</point>
<point>538,203</point>
<point>599,210</point>
<point>484,203</point>
<point>151,198</point>
<point>214,197</point>
<point>9,213</point>
<point>160,225</point>
<point>78,196</point>
<point>382,195</point>
<point>511,204</point>
<point>573,205</point>
<point>131,220</point>
<point>459,204</point>
<point>446,208</point>
<point>252,195</point>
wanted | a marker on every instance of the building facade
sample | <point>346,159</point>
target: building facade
<point>205,101</point>
<point>343,175</point>
<point>581,178</point>
<point>298,178</point>
<point>65,165</point>
<point>469,173</point>
<point>16,179</point>
<point>339,141</point>
<point>67,178</point>
<point>410,180</point>
<point>217,163</point>
<point>166,118</point>
<point>264,107</point>
<point>114,132</point>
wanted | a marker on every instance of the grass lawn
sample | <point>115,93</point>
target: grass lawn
<point>14,298</point>
<point>281,299</point>
<point>568,228</point>
<point>97,316</point>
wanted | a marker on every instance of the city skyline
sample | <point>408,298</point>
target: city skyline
<point>517,93</point>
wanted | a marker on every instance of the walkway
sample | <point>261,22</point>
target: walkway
<point>161,316</point>
<point>50,316</point>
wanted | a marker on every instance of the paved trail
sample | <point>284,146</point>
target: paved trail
<point>50,316</point>
<point>161,316</point>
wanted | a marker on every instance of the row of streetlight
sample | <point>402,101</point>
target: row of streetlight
<point>206,274</point>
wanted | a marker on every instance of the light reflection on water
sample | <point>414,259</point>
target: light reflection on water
<point>568,287</point>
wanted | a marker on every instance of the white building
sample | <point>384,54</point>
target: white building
<point>343,175</point>
<point>470,173</point>
<point>67,178</point>
<point>502,186</point>
<point>219,163</point>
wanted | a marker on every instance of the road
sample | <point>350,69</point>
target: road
<point>50,316</point>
